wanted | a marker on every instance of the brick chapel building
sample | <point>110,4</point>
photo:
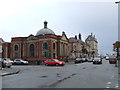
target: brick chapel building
<point>45,44</point>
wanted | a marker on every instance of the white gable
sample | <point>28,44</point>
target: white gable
<point>31,38</point>
<point>64,37</point>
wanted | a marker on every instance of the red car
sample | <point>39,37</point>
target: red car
<point>54,62</point>
<point>113,60</point>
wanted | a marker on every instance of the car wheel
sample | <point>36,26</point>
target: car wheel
<point>46,64</point>
<point>57,64</point>
<point>22,63</point>
<point>8,66</point>
<point>3,66</point>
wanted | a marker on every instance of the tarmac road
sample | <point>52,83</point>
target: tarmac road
<point>82,75</point>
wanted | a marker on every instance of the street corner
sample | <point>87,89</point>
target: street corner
<point>8,71</point>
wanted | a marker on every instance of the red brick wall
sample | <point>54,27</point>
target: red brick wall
<point>38,47</point>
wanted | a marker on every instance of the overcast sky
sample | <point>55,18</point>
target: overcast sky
<point>20,18</point>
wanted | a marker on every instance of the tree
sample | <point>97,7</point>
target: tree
<point>117,46</point>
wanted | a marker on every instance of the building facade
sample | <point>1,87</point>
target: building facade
<point>93,43</point>
<point>45,44</point>
<point>75,47</point>
<point>79,48</point>
<point>1,41</point>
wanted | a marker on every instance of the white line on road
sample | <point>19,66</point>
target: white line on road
<point>109,83</point>
<point>117,86</point>
<point>107,87</point>
<point>112,76</point>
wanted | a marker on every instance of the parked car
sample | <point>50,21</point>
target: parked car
<point>78,60</point>
<point>54,62</point>
<point>90,59</point>
<point>5,62</point>
<point>112,60</point>
<point>107,58</point>
<point>97,60</point>
<point>84,59</point>
<point>20,62</point>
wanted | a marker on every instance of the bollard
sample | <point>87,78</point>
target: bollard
<point>115,65</point>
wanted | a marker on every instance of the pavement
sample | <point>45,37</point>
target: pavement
<point>8,71</point>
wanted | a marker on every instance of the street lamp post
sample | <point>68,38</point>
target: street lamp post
<point>117,44</point>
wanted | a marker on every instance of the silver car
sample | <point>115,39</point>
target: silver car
<point>6,62</point>
<point>20,61</point>
<point>97,60</point>
<point>90,59</point>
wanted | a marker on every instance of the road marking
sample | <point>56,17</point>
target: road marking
<point>112,76</point>
<point>116,86</point>
<point>78,64</point>
<point>107,87</point>
<point>109,83</point>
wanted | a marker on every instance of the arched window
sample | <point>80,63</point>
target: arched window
<point>45,46</point>
<point>31,50</point>
<point>16,48</point>
<point>53,45</point>
<point>63,50</point>
<point>16,51</point>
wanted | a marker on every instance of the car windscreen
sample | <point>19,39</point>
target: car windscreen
<point>96,58</point>
<point>56,60</point>
<point>91,58</point>
<point>83,58</point>
<point>16,60</point>
<point>7,59</point>
<point>77,58</point>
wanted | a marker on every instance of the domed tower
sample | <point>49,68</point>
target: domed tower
<point>45,30</point>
